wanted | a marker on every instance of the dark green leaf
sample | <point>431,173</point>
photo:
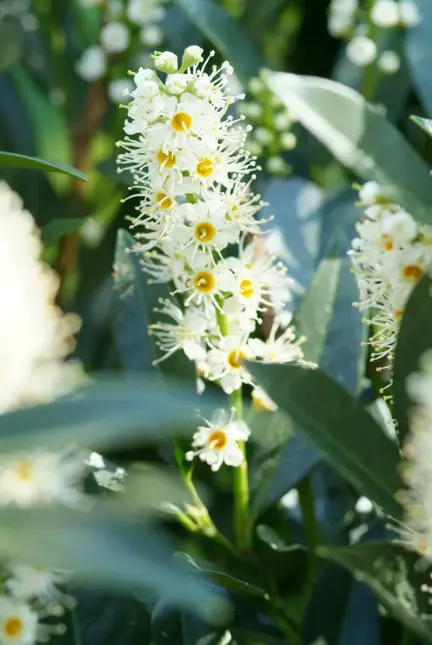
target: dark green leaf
<point>11,44</point>
<point>359,137</point>
<point>226,34</point>
<point>339,427</point>
<point>287,563</point>
<point>424,124</point>
<point>419,55</point>
<point>105,414</point>
<point>100,549</point>
<point>415,337</point>
<point>135,301</point>
<point>394,576</point>
<point>58,228</point>
<point>234,584</point>
<point>12,160</point>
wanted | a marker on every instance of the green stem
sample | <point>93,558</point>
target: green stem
<point>76,629</point>
<point>241,485</point>
<point>310,524</point>
<point>369,76</point>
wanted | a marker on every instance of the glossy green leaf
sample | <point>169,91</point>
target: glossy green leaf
<point>339,428</point>
<point>393,575</point>
<point>424,124</point>
<point>419,55</point>
<point>58,228</point>
<point>48,121</point>
<point>414,338</point>
<point>226,34</point>
<point>12,160</point>
<point>134,311</point>
<point>359,137</point>
<point>99,548</point>
<point>105,414</point>
<point>11,44</point>
<point>234,584</point>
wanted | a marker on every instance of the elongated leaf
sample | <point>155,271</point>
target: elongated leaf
<point>415,337</point>
<point>58,228</point>
<point>393,575</point>
<point>49,124</point>
<point>424,124</point>
<point>339,427</point>
<point>12,160</point>
<point>100,550</point>
<point>359,137</point>
<point>105,414</point>
<point>135,302</point>
<point>234,584</point>
<point>419,55</point>
<point>226,35</point>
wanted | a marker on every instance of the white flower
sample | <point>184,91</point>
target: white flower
<point>92,65</point>
<point>177,83</point>
<point>151,35</point>
<point>282,121</point>
<point>115,37</point>
<point>261,400</point>
<point>119,89</point>
<point>389,62</point>
<point>370,193</point>
<point>30,583</point>
<point>40,478</point>
<point>166,62</point>
<point>18,622</point>
<point>192,55</point>
<point>361,51</point>
<point>288,141</point>
<point>226,363</point>
<point>142,12</point>
<point>217,442</point>
<point>34,334</point>
<point>409,13</point>
<point>385,13</point>
<point>282,348</point>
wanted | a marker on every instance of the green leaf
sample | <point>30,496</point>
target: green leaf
<point>49,123</point>
<point>424,124</point>
<point>12,160</point>
<point>227,36</point>
<point>58,228</point>
<point>414,338</point>
<point>135,301</point>
<point>359,137</point>
<point>105,414</point>
<point>419,55</point>
<point>339,427</point>
<point>109,550</point>
<point>11,44</point>
<point>393,575</point>
<point>287,563</point>
<point>234,584</point>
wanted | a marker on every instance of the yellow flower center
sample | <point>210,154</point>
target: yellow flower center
<point>205,167</point>
<point>168,160</point>
<point>218,439</point>
<point>204,281</point>
<point>181,121</point>
<point>24,470</point>
<point>388,242</point>
<point>13,627</point>
<point>246,289</point>
<point>163,201</point>
<point>235,359</point>
<point>412,272</point>
<point>398,314</point>
<point>205,232</point>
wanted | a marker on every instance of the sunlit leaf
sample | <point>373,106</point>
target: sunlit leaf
<point>12,160</point>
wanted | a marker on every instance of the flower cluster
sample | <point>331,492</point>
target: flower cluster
<point>349,20</point>
<point>35,336</point>
<point>193,178</point>
<point>130,26</point>
<point>416,499</point>
<point>272,123</point>
<point>389,258</point>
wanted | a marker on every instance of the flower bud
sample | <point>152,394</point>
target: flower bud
<point>191,56</point>
<point>177,83</point>
<point>166,62</point>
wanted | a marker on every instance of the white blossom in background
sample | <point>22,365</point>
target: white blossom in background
<point>416,533</point>
<point>389,62</point>
<point>341,17</point>
<point>115,37</point>
<point>193,182</point>
<point>385,13</point>
<point>409,14</point>
<point>92,65</point>
<point>389,257</point>
<point>119,90</point>
<point>361,51</point>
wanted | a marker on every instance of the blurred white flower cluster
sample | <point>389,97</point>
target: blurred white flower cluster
<point>272,123</point>
<point>389,257</point>
<point>416,533</point>
<point>360,25</point>
<point>35,336</point>
<point>193,177</point>
<point>129,27</point>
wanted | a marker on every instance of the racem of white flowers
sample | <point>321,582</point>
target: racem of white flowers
<point>389,258</point>
<point>193,178</point>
